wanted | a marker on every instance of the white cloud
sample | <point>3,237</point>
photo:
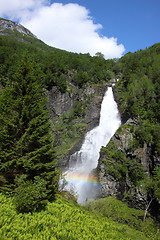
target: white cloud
<point>68,26</point>
<point>17,9</point>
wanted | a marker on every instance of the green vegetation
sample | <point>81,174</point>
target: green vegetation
<point>26,145</point>
<point>30,143</point>
<point>30,195</point>
<point>119,166</point>
<point>61,220</point>
<point>68,135</point>
<point>57,66</point>
<point>138,92</point>
<point>138,95</point>
<point>119,211</point>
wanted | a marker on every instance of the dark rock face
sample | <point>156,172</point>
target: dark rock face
<point>61,104</point>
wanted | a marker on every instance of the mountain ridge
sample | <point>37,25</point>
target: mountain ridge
<point>6,26</point>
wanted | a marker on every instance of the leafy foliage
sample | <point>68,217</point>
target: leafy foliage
<point>153,185</point>
<point>119,166</point>
<point>139,84</point>
<point>30,196</point>
<point>60,220</point>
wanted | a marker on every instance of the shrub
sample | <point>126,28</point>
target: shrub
<point>30,195</point>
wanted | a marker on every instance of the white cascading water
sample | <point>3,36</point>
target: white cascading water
<point>81,164</point>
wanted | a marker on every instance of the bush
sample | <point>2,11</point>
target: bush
<point>30,195</point>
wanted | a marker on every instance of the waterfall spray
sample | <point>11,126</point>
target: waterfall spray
<point>81,164</point>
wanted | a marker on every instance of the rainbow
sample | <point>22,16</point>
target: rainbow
<point>73,177</point>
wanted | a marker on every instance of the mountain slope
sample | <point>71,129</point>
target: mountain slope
<point>74,83</point>
<point>130,164</point>
<point>61,220</point>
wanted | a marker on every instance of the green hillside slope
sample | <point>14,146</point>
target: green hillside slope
<point>61,220</point>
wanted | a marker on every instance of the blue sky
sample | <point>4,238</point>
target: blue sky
<point>135,23</point>
<point>113,27</point>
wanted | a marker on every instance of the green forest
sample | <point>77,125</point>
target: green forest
<point>32,143</point>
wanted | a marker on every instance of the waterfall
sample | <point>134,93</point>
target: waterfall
<point>82,163</point>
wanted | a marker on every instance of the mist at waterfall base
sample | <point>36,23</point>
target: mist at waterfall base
<point>79,177</point>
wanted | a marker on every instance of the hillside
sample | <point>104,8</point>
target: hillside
<point>74,83</point>
<point>49,99</point>
<point>132,158</point>
<point>62,220</point>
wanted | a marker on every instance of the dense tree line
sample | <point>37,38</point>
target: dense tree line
<point>138,92</point>
<point>27,156</point>
<point>57,66</point>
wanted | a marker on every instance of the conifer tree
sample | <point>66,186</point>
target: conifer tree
<point>26,145</point>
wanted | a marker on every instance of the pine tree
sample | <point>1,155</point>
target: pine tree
<point>26,144</point>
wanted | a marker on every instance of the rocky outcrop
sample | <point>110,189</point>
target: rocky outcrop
<point>59,103</point>
<point>63,103</point>
<point>10,25</point>
<point>122,165</point>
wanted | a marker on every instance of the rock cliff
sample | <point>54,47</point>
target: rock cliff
<point>124,167</point>
<point>73,113</point>
<point>63,103</point>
